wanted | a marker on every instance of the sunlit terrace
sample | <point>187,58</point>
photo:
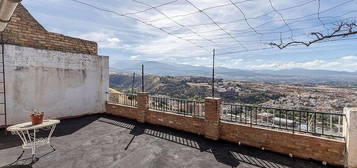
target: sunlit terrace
<point>108,141</point>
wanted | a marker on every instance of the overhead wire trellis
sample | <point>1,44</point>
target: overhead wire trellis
<point>219,26</point>
<point>222,34</point>
<point>179,24</point>
<point>139,20</point>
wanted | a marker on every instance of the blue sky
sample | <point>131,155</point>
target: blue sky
<point>126,38</point>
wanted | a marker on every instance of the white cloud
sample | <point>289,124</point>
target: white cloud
<point>134,57</point>
<point>314,64</point>
<point>105,39</point>
<point>168,46</point>
<point>349,57</point>
<point>232,63</point>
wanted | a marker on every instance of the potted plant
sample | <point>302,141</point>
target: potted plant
<point>36,117</point>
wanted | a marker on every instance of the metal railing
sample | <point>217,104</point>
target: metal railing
<point>315,123</point>
<point>178,106</point>
<point>123,99</point>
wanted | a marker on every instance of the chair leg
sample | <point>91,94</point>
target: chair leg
<point>34,159</point>
<point>22,153</point>
<point>53,148</point>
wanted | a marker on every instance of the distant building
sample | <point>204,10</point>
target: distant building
<point>221,89</point>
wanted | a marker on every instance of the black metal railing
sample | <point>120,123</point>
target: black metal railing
<point>123,99</point>
<point>315,123</point>
<point>179,106</point>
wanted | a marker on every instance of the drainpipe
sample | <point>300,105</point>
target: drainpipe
<point>3,74</point>
<point>7,8</point>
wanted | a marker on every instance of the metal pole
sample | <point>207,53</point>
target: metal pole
<point>214,52</point>
<point>132,85</point>
<point>142,78</point>
<point>3,71</point>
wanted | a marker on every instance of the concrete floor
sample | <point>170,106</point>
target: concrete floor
<point>107,141</point>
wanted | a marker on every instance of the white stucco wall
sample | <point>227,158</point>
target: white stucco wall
<point>57,83</point>
<point>350,133</point>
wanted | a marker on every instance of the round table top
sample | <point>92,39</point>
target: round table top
<point>28,125</point>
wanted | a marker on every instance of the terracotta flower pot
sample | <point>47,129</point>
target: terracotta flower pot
<point>37,118</point>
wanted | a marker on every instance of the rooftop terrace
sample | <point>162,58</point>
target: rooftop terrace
<point>109,141</point>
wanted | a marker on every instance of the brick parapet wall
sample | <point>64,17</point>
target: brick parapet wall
<point>24,30</point>
<point>123,111</point>
<point>176,121</point>
<point>302,146</point>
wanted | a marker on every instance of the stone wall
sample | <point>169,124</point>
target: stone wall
<point>24,30</point>
<point>299,145</point>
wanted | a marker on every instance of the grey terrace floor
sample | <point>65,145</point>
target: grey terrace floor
<point>108,141</point>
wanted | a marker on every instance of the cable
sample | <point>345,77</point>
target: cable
<point>245,18</point>
<point>133,18</point>
<point>266,48</point>
<point>318,13</point>
<point>216,24</point>
<point>142,11</point>
<point>226,32</point>
<point>195,12</point>
<point>162,13</point>
<point>245,31</point>
<point>282,18</point>
<point>271,31</point>
<point>257,17</point>
<point>252,18</point>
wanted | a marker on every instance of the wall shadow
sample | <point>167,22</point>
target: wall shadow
<point>227,153</point>
<point>224,152</point>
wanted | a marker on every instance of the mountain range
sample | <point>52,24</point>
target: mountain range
<point>296,75</point>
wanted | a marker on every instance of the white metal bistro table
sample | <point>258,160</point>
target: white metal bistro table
<point>27,133</point>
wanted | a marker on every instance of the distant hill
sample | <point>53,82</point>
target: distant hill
<point>159,68</point>
<point>284,76</point>
<point>192,88</point>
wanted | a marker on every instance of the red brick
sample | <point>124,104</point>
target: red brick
<point>303,146</point>
<point>24,30</point>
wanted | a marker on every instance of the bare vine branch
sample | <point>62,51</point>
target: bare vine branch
<point>342,30</point>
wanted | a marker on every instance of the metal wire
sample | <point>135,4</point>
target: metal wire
<point>248,18</point>
<point>145,10</point>
<point>228,34</point>
<point>245,18</point>
<point>133,18</point>
<point>267,48</point>
<point>209,17</point>
<point>282,18</point>
<point>195,12</point>
<point>177,23</point>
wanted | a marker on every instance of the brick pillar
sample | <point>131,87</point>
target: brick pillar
<point>143,106</point>
<point>212,110</point>
<point>350,133</point>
